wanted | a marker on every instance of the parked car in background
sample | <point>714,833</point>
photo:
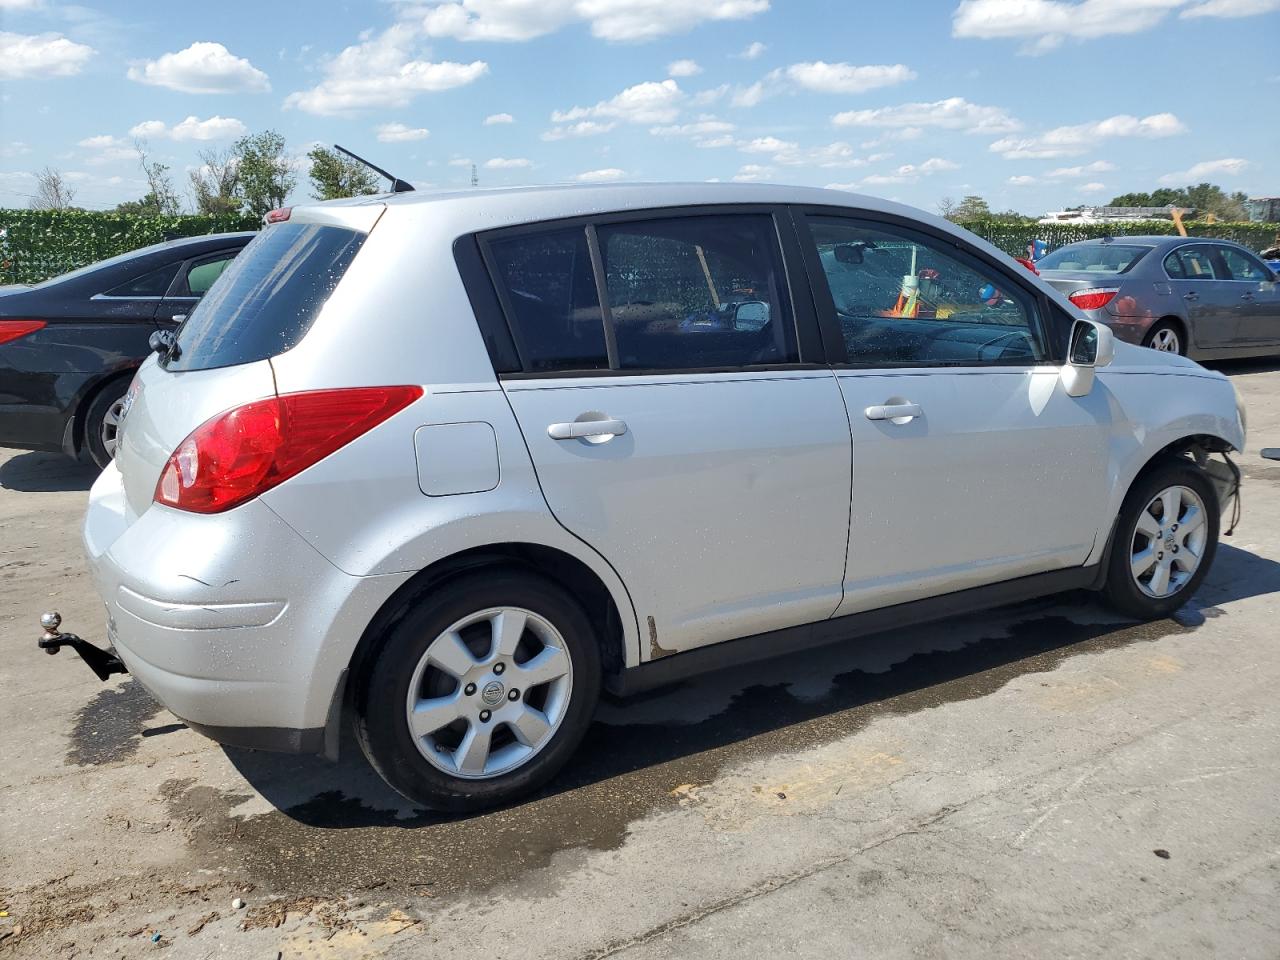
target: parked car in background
<point>69,346</point>
<point>1206,299</point>
<point>448,465</point>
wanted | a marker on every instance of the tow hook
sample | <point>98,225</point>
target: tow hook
<point>102,662</point>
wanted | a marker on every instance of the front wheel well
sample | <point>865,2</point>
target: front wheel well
<point>1171,320</point>
<point>566,570</point>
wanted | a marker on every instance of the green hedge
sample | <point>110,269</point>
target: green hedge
<point>38,244</point>
<point>1012,236</point>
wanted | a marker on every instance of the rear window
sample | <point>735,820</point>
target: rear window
<point>1094,258</point>
<point>267,298</point>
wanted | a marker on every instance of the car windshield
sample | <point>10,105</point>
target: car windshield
<point>1094,257</point>
<point>265,301</point>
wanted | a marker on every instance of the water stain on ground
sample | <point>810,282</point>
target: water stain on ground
<point>110,726</point>
<point>349,837</point>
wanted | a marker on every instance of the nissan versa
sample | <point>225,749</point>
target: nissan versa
<point>450,464</point>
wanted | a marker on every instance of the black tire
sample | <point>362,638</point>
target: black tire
<point>1163,329</point>
<point>1121,590</point>
<point>382,690</point>
<point>95,423</point>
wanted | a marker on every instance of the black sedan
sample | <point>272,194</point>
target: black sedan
<point>69,346</point>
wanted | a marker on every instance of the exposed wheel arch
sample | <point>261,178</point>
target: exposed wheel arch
<point>563,568</point>
<point>1180,325</point>
<point>82,407</point>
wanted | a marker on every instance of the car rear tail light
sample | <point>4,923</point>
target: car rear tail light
<point>244,452</point>
<point>1094,298</point>
<point>278,215</point>
<point>13,329</point>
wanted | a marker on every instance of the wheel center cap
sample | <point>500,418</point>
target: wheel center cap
<point>1170,542</point>
<point>493,692</point>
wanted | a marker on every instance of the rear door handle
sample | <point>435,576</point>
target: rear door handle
<point>586,429</point>
<point>894,411</point>
<point>1246,296</point>
<point>1191,296</point>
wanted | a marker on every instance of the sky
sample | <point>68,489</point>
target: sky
<point>1033,104</point>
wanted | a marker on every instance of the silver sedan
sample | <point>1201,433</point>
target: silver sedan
<point>1207,299</point>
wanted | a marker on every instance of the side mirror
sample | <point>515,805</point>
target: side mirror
<point>1092,345</point>
<point>751,315</point>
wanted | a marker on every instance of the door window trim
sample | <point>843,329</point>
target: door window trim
<point>493,311</point>
<point>1047,325</point>
<point>179,288</point>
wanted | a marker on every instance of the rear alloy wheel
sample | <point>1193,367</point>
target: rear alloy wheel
<point>1165,540</point>
<point>481,692</point>
<point>1166,338</point>
<point>102,424</point>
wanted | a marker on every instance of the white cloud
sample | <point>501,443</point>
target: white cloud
<point>1098,166</point>
<point>601,176</point>
<point>203,67</point>
<point>382,72</point>
<point>19,4</point>
<point>683,68</point>
<point>508,163</point>
<point>618,20</point>
<point>1231,167</point>
<point>497,118</point>
<point>1231,8</point>
<point>574,131</point>
<point>460,162</point>
<point>650,102</point>
<point>753,173</point>
<point>705,126</point>
<point>41,55</point>
<point>954,113</point>
<point>911,172</point>
<point>192,128</point>
<point>1080,138</point>
<point>822,77</point>
<point>1021,181</point>
<point>1094,187</point>
<point>753,51</point>
<point>399,133</point>
<point>1045,24</point>
<point>107,149</point>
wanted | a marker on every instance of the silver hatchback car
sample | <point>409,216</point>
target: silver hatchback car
<point>1207,299</point>
<point>448,465</point>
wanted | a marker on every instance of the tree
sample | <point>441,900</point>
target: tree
<point>52,191</point>
<point>215,183</point>
<point>947,207</point>
<point>971,207</point>
<point>160,199</point>
<point>266,174</point>
<point>334,176</point>
<point>1204,198</point>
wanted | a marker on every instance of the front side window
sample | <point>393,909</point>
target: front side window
<point>1242,266</point>
<point>550,298</point>
<point>200,277</point>
<point>902,298</point>
<point>697,292</point>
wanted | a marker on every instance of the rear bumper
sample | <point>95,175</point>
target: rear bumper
<point>232,621</point>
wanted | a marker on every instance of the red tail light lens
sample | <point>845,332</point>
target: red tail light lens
<point>245,451</point>
<point>1094,299</point>
<point>13,329</point>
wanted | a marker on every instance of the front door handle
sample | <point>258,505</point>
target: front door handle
<point>1246,296</point>
<point>897,412</point>
<point>1191,296</point>
<point>597,430</point>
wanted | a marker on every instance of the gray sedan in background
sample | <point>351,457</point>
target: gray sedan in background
<point>1206,299</point>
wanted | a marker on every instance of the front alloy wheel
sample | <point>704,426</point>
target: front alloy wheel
<point>1168,542</point>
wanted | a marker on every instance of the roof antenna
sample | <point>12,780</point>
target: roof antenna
<point>397,185</point>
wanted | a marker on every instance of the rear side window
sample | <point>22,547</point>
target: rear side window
<point>1197,264</point>
<point>550,298</point>
<point>152,284</point>
<point>697,292</point>
<point>1243,266</point>
<point>268,297</point>
<point>201,276</point>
